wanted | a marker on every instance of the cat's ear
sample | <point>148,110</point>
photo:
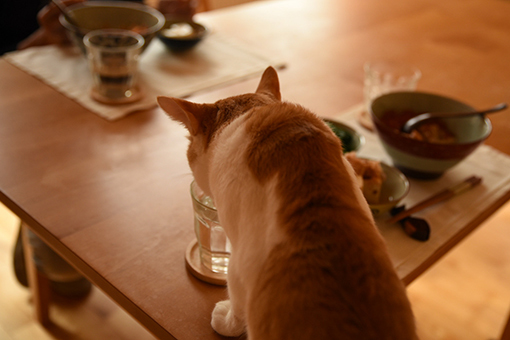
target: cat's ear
<point>186,112</point>
<point>269,83</point>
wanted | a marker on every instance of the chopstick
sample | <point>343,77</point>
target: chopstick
<point>63,10</point>
<point>441,196</point>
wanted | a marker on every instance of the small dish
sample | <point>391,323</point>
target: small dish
<point>180,36</point>
<point>394,188</point>
<point>351,139</point>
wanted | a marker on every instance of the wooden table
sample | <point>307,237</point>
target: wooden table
<point>112,197</point>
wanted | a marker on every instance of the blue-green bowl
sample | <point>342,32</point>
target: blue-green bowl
<point>351,139</point>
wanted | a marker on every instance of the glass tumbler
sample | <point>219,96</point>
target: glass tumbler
<point>213,243</point>
<point>113,61</point>
<point>384,76</point>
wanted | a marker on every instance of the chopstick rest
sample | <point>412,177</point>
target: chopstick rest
<point>416,228</point>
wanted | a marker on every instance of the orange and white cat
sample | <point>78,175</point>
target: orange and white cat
<point>307,260</point>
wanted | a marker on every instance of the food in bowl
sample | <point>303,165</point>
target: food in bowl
<point>383,186</point>
<point>432,131</point>
<point>350,138</point>
<point>370,176</point>
<point>179,30</point>
<point>426,159</point>
<point>95,15</point>
<point>178,35</point>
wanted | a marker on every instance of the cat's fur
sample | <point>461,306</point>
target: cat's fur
<point>307,260</point>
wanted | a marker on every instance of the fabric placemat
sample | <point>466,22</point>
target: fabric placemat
<point>215,61</point>
<point>446,219</point>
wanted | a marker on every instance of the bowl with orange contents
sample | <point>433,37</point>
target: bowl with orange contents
<point>436,145</point>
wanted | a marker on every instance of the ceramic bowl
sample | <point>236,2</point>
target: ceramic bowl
<point>351,139</point>
<point>394,189</point>
<point>181,35</point>
<point>94,15</point>
<point>421,159</point>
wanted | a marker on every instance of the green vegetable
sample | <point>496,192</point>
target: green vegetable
<point>345,137</point>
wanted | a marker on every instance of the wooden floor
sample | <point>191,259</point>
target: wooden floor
<point>466,296</point>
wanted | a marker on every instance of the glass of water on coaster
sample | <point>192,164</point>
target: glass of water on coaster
<point>113,60</point>
<point>213,243</point>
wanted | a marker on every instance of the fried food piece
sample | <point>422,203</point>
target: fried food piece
<point>370,176</point>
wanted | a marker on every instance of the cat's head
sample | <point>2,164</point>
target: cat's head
<point>205,121</point>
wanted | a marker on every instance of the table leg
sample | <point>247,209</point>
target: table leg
<point>39,284</point>
<point>506,330</point>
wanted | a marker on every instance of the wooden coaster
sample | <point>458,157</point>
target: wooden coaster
<point>137,95</point>
<point>198,270</point>
<point>365,120</point>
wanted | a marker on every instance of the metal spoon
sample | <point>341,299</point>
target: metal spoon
<point>415,121</point>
